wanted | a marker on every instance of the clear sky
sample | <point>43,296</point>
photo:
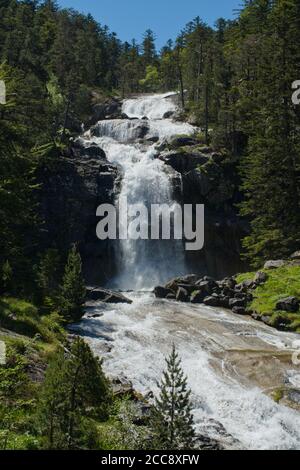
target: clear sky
<point>130,18</point>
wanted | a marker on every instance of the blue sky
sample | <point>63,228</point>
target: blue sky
<point>130,18</point>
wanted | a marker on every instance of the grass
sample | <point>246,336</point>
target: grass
<point>24,318</point>
<point>282,282</point>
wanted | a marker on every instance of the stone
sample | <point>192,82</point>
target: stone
<point>296,255</point>
<point>212,301</point>
<point>260,277</point>
<point>161,292</point>
<point>274,264</point>
<point>289,304</point>
<point>237,303</point>
<point>197,297</point>
<point>107,296</point>
<point>239,310</point>
<point>182,295</point>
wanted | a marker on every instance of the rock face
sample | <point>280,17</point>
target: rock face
<point>111,108</point>
<point>210,178</point>
<point>73,186</point>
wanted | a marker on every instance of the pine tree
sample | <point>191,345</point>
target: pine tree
<point>74,392</point>
<point>73,289</point>
<point>172,420</point>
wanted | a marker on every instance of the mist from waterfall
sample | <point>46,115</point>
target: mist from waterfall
<point>144,263</point>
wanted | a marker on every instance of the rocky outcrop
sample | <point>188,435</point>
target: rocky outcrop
<point>106,296</point>
<point>110,108</point>
<point>72,187</point>
<point>210,177</point>
<point>222,294</point>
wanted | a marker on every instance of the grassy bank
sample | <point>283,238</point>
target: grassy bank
<point>281,283</point>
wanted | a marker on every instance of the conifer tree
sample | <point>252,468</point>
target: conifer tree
<point>73,289</point>
<point>75,391</point>
<point>172,420</point>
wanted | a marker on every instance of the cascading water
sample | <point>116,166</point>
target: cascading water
<point>143,263</point>
<point>233,363</point>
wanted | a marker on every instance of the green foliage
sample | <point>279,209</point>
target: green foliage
<point>120,432</point>
<point>74,393</point>
<point>172,420</point>
<point>73,289</point>
<point>24,318</point>
<point>281,283</point>
<point>152,81</point>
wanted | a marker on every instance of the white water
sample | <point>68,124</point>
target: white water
<point>232,363</point>
<point>143,264</point>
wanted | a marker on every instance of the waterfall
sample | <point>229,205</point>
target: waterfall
<point>129,143</point>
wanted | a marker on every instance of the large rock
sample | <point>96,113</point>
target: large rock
<point>72,186</point>
<point>109,109</point>
<point>107,296</point>
<point>260,277</point>
<point>289,304</point>
<point>197,297</point>
<point>182,161</point>
<point>274,264</point>
<point>182,295</point>
<point>161,292</point>
<point>212,301</point>
<point>296,255</point>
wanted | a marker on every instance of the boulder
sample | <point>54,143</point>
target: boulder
<point>260,277</point>
<point>171,297</point>
<point>239,310</point>
<point>289,304</point>
<point>161,292</point>
<point>109,109</point>
<point>182,295</point>
<point>237,303</point>
<point>295,256</point>
<point>183,141</point>
<point>212,301</point>
<point>274,264</point>
<point>107,296</point>
<point>168,114</point>
<point>182,161</point>
<point>197,297</point>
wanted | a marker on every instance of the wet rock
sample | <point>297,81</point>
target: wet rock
<point>237,303</point>
<point>239,310</point>
<point>182,161</point>
<point>274,264</point>
<point>289,304</point>
<point>161,292</point>
<point>183,141</point>
<point>107,296</point>
<point>197,297</point>
<point>168,114</point>
<point>109,109</point>
<point>171,297</point>
<point>182,295</point>
<point>212,301</point>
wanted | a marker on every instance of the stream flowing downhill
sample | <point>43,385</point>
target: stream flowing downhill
<point>233,363</point>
